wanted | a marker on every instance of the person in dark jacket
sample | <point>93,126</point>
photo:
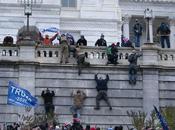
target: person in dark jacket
<point>48,100</point>
<point>137,32</point>
<point>164,32</point>
<point>81,59</point>
<point>8,41</point>
<point>102,91</point>
<point>82,41</point>
<point>101,41</point>
<point>133,67</point>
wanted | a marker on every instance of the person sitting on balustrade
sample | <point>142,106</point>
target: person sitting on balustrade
<point>112,53</point>
<point>126,42</point>
<point>48,41</point>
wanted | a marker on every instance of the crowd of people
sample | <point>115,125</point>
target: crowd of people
<point>75,124</point>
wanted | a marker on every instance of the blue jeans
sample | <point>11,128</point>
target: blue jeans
<point>75,110</point>
<point>165,38</point>
<point>137,40</point>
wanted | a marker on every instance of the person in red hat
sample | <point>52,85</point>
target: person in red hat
<point>76,124</point>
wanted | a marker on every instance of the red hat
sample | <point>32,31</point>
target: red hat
<point>93,128</point>
<point>113,44</point>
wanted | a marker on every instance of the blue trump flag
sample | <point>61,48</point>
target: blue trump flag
<point>19,96</point>
<point>161,119</point>
<point>51,29</point>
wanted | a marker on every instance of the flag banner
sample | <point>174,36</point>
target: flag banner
<point>161,119</point>
<point>51,29</point>
<point>19,96</point>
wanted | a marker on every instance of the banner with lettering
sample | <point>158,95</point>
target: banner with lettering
<point>19,96</point>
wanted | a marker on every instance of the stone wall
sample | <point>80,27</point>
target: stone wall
<point>36,72</point>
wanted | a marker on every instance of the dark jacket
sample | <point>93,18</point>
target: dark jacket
<point>101,42</point>
<point>163,29</point>
<point>138,29</point>
<point>48,97</point>
<point>81,42</point>
<point>101,83</point>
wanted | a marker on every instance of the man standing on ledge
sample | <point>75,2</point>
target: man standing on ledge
<point>102,91</point>
<point>137,33</point>
<point>164,32</point>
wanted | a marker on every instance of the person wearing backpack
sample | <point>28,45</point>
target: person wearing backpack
<point>164,32</point>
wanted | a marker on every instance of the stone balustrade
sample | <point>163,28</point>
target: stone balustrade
<point>95,55</point>
<point>10,53</point>
<point>166,57</point>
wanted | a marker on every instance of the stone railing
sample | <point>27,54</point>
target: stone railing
<point>166,57</point>
<point>95,55</point>
<point>10,53</point>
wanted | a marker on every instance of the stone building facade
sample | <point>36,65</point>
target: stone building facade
<point>38,68</point>
<point>88,17</point>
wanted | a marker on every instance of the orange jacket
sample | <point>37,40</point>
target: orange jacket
<point>48,41</point>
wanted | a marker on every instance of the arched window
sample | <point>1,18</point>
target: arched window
<point>69,3</point>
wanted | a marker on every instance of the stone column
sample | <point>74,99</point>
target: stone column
<point>150,30</point>
<point>172,35</point>
<point>150,77</point>
<point>27,73</point>
<point>150,90</point>
<point>126,20</point>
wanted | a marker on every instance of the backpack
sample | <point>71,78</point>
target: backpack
<point>165,29</point>
<point>131,58</point>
